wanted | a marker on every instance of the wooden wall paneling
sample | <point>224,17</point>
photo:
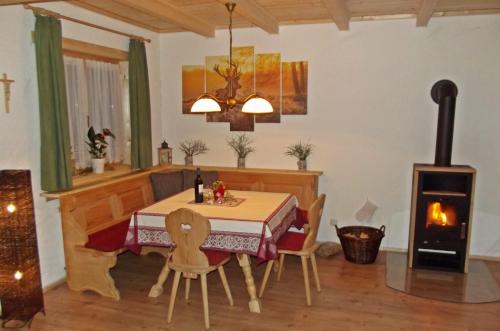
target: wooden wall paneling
<point>121,13</point>
<point>172,14</point>
<point>467,5</point>
<point>178,15</point>
<point>256,14</point>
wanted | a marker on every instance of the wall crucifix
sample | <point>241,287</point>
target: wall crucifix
<point>6,90</point>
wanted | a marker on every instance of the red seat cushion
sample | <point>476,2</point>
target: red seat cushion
<point>109,239</point>
<point>215,257</point>
<point>300,218</point>
<point>291,241</point>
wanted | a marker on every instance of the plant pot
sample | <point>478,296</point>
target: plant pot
<point>98,165</point>
<point>241,162</point>
<point>302,165</point>
<point>188,160</point>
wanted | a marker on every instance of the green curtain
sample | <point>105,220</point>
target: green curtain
<point>140,107</point>
<point>54,125</point>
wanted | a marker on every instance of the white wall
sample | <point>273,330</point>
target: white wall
<point>370,114</point>
<point>19,130</point>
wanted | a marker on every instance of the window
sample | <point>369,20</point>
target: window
<point>97,93</point>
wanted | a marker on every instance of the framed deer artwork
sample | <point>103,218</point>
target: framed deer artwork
<point>282,84</point>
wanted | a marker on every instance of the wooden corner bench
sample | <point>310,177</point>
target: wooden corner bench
<point>95,218</point>
<point>95,223</point>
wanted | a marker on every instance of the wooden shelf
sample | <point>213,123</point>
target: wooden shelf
<point>249,170</point>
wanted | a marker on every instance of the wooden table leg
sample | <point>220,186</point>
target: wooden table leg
<point>254,304</point>
<point>157,288</point>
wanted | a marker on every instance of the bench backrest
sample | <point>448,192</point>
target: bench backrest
<point>165,184</point>
<point>90,211</point>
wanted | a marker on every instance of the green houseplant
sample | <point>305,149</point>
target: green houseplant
<point>301,151</point>
<point>191,148</point>
<point>242,146</point>
<point>97,147</point>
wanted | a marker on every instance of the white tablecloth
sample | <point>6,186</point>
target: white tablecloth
<point>252,227</point>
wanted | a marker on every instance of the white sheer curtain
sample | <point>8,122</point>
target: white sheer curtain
<point>78,110</point>
<point>95,95</point>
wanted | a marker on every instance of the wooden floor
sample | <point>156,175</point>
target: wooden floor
<point>354,297</point>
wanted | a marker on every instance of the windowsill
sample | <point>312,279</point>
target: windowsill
<point>92,178</point>
<point>82,182</point>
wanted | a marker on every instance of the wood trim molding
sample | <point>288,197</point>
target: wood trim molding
<point>21,2</point>
<point>425,11</point>
<point>339,12</point>
<point>471,257</point>
<point>256,14</point>
<point>163,9</point>
<point>74,47</point>
<point>54,285</point>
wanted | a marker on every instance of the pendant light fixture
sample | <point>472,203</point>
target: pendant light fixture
<point>252,104</point>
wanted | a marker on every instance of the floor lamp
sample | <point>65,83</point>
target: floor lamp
<point>21,295</point>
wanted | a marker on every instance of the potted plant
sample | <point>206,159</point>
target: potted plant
<point>242,146</point>
<point>97,148</point>
<point>192,148</point>
<point>301,151</point>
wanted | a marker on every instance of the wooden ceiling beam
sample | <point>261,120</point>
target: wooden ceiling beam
<point>163,9</point>
<point>256,14</point>
<point>425,11</point>
<point>339,13</point>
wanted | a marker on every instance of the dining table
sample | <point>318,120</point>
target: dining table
<point>247,223</point>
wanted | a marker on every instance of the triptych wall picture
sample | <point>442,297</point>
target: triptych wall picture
<point>283,84</point>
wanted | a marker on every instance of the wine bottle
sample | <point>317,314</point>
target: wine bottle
<point>198,187</point>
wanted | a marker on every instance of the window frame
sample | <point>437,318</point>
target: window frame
<point>88,51</point>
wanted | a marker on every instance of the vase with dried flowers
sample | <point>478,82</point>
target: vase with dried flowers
<point>97,148</point>
<point>242,146</point>
<point>192,148</point>
<point>301,151</point>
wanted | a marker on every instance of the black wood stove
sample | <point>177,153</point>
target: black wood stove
<point>442,197</point>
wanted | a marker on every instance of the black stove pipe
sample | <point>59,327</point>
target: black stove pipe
<point>444,93</point>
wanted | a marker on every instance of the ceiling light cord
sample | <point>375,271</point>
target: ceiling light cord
<point>230,8</point>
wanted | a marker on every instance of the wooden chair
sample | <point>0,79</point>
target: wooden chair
<point>188,230</point>
<point>300,244</point>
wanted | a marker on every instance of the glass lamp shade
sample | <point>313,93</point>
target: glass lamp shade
<point>257,105</point>
<point>205,104</point>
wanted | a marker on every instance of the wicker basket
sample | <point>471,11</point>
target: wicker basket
<point>356,249</point>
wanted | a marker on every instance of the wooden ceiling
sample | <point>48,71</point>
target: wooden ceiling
<point>204,16</point>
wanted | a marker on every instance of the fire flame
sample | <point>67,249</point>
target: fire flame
<point>438,215</point>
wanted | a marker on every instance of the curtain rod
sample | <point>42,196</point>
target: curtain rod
<point>43,11</point>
